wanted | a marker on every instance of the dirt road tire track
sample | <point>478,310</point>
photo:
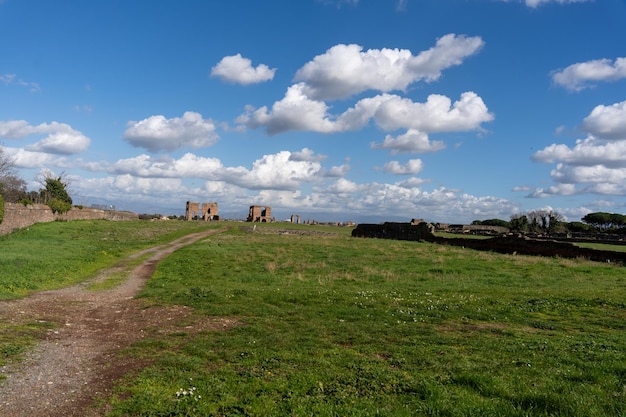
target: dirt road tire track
<point>77,362</point>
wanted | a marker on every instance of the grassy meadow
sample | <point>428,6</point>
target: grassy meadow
<point>329,325</point>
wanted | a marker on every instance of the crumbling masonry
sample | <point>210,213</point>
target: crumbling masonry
<point>262,214</point>
<point>208,212</point>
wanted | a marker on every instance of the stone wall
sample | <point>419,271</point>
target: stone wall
<point>18,216</point>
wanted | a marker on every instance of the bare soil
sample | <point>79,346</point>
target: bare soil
<point>78,362</point>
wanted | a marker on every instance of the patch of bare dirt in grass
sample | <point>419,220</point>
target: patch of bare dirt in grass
<point>78,361</point>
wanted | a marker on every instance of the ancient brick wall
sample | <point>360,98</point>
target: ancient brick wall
<point>18,216</point>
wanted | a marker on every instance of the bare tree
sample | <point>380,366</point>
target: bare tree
<point>544,221</point>
<point>7,164</point>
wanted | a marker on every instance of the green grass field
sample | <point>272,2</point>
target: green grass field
<point>330,325</point>
<point>53,255</point>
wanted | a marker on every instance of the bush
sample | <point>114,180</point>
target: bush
<point>1,208</point>
<point>59,206</point>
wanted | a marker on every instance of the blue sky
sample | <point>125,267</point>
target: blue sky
<point>364,110</point>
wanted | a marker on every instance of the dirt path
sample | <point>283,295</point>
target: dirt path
<point>77,361</point>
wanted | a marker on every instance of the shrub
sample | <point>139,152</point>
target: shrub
<point>59,206</point>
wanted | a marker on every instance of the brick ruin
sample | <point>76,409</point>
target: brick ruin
<point>295,218</point>
<point>260,214</point>
<point>206,213</point>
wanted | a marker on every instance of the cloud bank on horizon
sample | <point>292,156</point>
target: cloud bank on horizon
<point>330,126</point>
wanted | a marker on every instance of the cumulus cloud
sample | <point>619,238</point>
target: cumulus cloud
<point>338,171</point>
<point>408,199</point>
<point>188,166</point>
<point>390,112</point>
<point>412,167</point>
<point>596,164</point>
<point>345,70</point>
<point>65,143</point>
<point>586,152</point>
<point>294,112</point>
<point>157,133</point>
<point>275,171</point>
<point>582,75</point>
<point>607,122</point>
<point>237,69</point>
<point>413,141</point>
<point>28,159</point>
<point>60,138</point>
<point>306,154</point>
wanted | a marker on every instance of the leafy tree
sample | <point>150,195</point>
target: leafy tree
<point>579,227</point>
<point>496,222</point>
<point>603,221</point>
<point>519,222</point>
<point>55,193</point>
<point>599,220</point>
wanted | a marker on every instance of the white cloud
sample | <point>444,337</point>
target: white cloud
<point>189,165</point>
<point>8,79</point>
<point>339,3</point>
<point>306,154</point>
<point>276,171</point>
<point>413,141</point>
<point>595,174</point>
<point>343,186</point>
<point>412,167</point>
<point>345,70</point>
<point>586,152</point>
<point>27,159</point>
<point>390,112</point>
<point>407,200</point>
<point>607,122</point>
<point>65,143</point>
<point>579,76</point>
<point>61,138</point>
<point>537,3</point>
<point>338,171</point>
<point>158,133</point>
<point>437,114</point>
<point>596,164</point>
<point>555,190</point>
<point>237,69</point>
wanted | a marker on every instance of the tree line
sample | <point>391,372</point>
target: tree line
<point>548,222</point>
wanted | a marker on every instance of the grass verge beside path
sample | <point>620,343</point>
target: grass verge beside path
<point>331,325</point>
<point>54,255</point>
<point>57,254</point>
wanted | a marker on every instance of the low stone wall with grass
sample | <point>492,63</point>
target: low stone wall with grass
<point>19,216</point>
